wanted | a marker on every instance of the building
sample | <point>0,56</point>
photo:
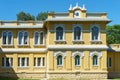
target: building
<point>68,44</point>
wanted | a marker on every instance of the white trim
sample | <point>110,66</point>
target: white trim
<point>19,27</point>
<point>59,25</point>
<point>81,36</point>
<point>25,61</point>
<point>77,11</point>
<point>74,47</point>
<point>33,50</point>
<point>91,26</point>
<point>98,53</point>
<point>62,53</point>
<point>80,53</point>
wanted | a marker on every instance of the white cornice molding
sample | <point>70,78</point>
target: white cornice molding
<point>21,50</point>
<point>74,47</point>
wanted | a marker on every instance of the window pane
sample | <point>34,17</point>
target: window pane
<point>23,61</point>
<point>26,38</point>
<point>77,60</point>
<point>41,38</point>
<point>95,33</point>
<point>59,60</point>
<point>3,62</point>
<point>95,60</point>
<point>39,61</point>
<point>7,62</point>
<point>20,37</point>
<point>59,33</point>
<point>43,62</point>
<point>36,38</point>
<point>77,33</point>
<point>9,37</point>
<point>5,38</point>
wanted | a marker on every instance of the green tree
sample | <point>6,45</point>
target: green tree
<point>42,16</point>
<point>22,16</point>
<point>113,34</point>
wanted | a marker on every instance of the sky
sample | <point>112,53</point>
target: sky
<point>9,8</point>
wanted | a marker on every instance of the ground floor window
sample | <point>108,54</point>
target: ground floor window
<point>77,60</point>
<point>7,62</point>
<point>95,60</point>
<point>109,62</point>
<point>59,60</point>
<point>39,61</point>
<point>23,62</point>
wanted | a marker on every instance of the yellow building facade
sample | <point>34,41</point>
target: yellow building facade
<point>66,45</point>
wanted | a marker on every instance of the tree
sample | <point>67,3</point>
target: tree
<point>113,34</point>
<point>42,16</point>
<point>22,16</point>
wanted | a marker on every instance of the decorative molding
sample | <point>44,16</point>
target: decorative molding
<point>74,47</point>
<point>80,53</point>
<point>21,50</point>
<point>56,53</point>
<point>98,53</point>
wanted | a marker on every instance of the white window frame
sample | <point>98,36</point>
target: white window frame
<point>7,39</point>
<point>61,62</point>
<point>77,11</point>
<point>81,36</point>
<point>91,26</point>
<point>22,43</point>
<point>41,62</point>
<point>39,38</point>
<point>20,63</point>
<point>10,62</point>
<point>62,26</point>
<point>95,62</point>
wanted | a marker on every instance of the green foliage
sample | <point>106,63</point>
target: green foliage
<point>42,16</point>
<point>113,34</point>
<point>22,16</point>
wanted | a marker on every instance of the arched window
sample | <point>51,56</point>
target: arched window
<point>4,37</point>
<point>77,14</point>
<point>36,38</point>
<point>20,37</point>
<point>77,60</point>
<point>95,33</point>
<point>7,38</point>
<point>59,33</point>
<point>23,38</point>
<point>59,60</point>
<point>77,33</point>
<point>39,38</point>
<point>95,60</point>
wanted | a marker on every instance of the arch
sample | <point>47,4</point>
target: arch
<point>77,14</point>
<point>36,37</point>
<point>10,37</point>
<point>98,53</point>
<point>81,54</point>
<point>62,53</point>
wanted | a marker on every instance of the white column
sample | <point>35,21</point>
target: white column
<point>25,62</point>
<point>20,63</point>
<point>41,62</point>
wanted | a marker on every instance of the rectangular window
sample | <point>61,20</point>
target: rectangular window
<point>109,62</point>
<point>23,62</point>
<point>7,62</point>
<point>39,61</point>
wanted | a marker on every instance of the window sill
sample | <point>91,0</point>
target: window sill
<point>95,41</point>
<point>39,67</point>
<point>23,45</point>
<point>60,41</point>
<point>95,65</point>
<point>39,45</point>
<point>78,41</point>
<point>4,45</point>
<point>23,67</point>
<point>77,65</point>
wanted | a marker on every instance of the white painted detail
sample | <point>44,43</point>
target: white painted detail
<point>80,53</point>
<point>98,53</point>
<point>57,53</point>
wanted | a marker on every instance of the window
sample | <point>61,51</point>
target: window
<point>59,33</point>
<point>7,38</point>
<point>23,38</point>
<point>109,62</point>
<point>39,61</point>
<point>39,38</point>
<point>77,60</point>
<point>59,60</point>
<point>77,33</point>
<point>95,60</point>
<point>7,62</point>
<point>77,14</point>
<point>23,62</point>
<point>95,33</point>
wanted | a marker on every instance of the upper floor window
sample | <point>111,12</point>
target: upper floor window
<point>95,60</point>
<point>39,61</point>
<point>77,33</point>
<point>59,60</point>
<point>7,38</point>
<point>7,62</point>
<point>59,33</point>
<point>39,38</point>
<point>95,33</point>
<point>77,60</point>
<point>23,38</point>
